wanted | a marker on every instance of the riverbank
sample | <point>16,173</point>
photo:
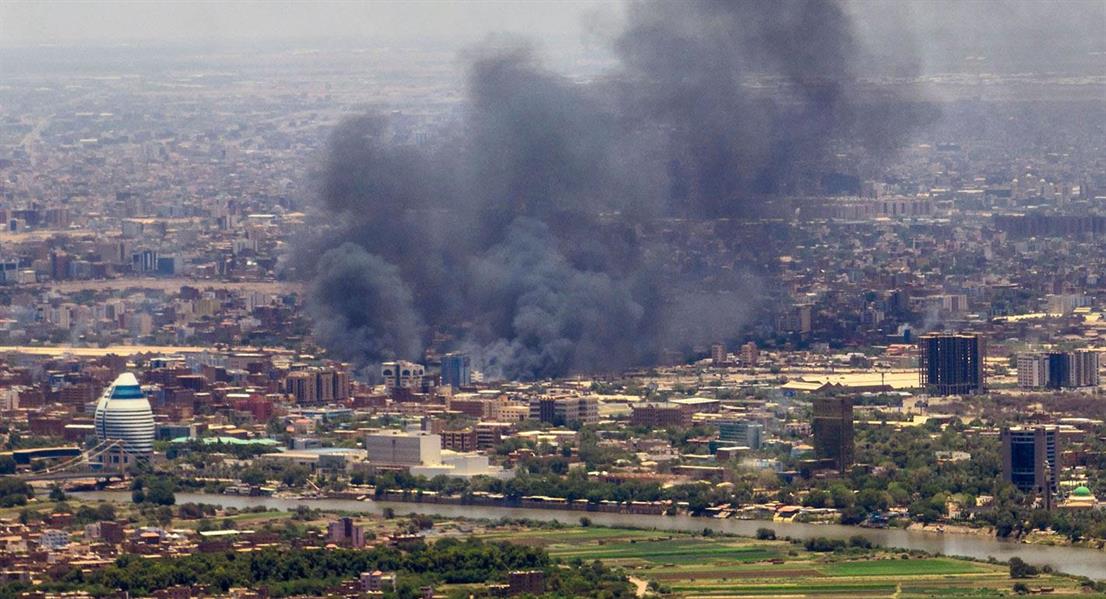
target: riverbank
<point>953,529</point>
<point>645,508</point>
<point>765,513</point>
<point>1076,561</point>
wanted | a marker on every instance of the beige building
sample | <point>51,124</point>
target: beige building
<point>401,448</point>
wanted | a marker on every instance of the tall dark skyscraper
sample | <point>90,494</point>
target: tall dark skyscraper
<point>833,430</point>
<point>1059,369</point>
<point>951,364</point>
<point>456,370</point>
<point>1030,459</point>
<point>1072,369</point>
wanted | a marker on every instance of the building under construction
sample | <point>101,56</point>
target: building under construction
<point>951,364</point>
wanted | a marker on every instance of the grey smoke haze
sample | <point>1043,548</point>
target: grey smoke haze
<point>948,35</point>
<point>521,232</point>
<point>355,288</point>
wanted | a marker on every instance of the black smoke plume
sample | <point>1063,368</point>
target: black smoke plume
<point>530,231</point>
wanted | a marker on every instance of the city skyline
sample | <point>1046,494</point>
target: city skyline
<point>666,299</point>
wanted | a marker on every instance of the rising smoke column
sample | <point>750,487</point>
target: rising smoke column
<point>519,232</point>
<point>751,92</point>
<point>361,306</point>
<point>562,318</point>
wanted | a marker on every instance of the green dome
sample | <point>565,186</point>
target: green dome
<point>1081,492</point>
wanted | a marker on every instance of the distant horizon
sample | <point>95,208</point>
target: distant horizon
<point>114,23</point>
<point>942,36</point>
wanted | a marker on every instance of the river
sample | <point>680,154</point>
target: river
<point>1071,560</point>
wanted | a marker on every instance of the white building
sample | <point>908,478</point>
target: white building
<point>402,374</point>
<point>462,465</point>
<point>1058,370</point>
<point>53,540</point>
<point>9,398</point>
<point>401,448</point>
<point>1083,369</point>
<point>123,413</point>
<point>1065,303</point>
<point>1032,371</point>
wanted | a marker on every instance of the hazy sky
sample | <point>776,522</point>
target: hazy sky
<point>937,34</point>
<point>66,22</point>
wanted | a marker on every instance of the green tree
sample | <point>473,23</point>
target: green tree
<point>253,476</point>
<point>294,476</point>
<point>1020,569</point>
<point>766,534</point>
<point>873,500</point>
<point>860,541</point>
<point>841,495</point>
<point>14,492</point>
<point>816,498</point>
<point>158,491</point>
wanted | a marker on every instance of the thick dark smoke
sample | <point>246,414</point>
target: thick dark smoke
<point>529,232</point>
<point>368,308</point>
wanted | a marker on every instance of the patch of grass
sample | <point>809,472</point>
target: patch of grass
<point>576,534</point>
<point>695,566</point>
<point>902,567</point>
<point>675,551</point>
<point>800,588</point>
<point>249,517</point>
<point>912,591</point>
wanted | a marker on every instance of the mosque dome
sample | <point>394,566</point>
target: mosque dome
<point>1081,491</point>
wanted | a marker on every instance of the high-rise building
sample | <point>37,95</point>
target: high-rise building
<point>951,364</point>
<point>1083,371</point>
<point>456,370</point>
<point>741,432</point>
<point>1030,459</point>
<point>1064,304</point>
<point>1058,370</point>
<point>749,354</point>
<point>301,385</point>
<point>561,411</point>
<point>718,354</point>
<point>123,413</point>
<point>402,374</point>
<point>833,431</point>
<point>1073,369</point>
<point>1032,371</point>
<point>798,319</point>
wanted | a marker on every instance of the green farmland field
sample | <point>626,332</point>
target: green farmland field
<point>898,567</point>
<point>687,565</point>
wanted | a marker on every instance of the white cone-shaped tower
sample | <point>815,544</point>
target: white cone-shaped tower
<point>124,413</point>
